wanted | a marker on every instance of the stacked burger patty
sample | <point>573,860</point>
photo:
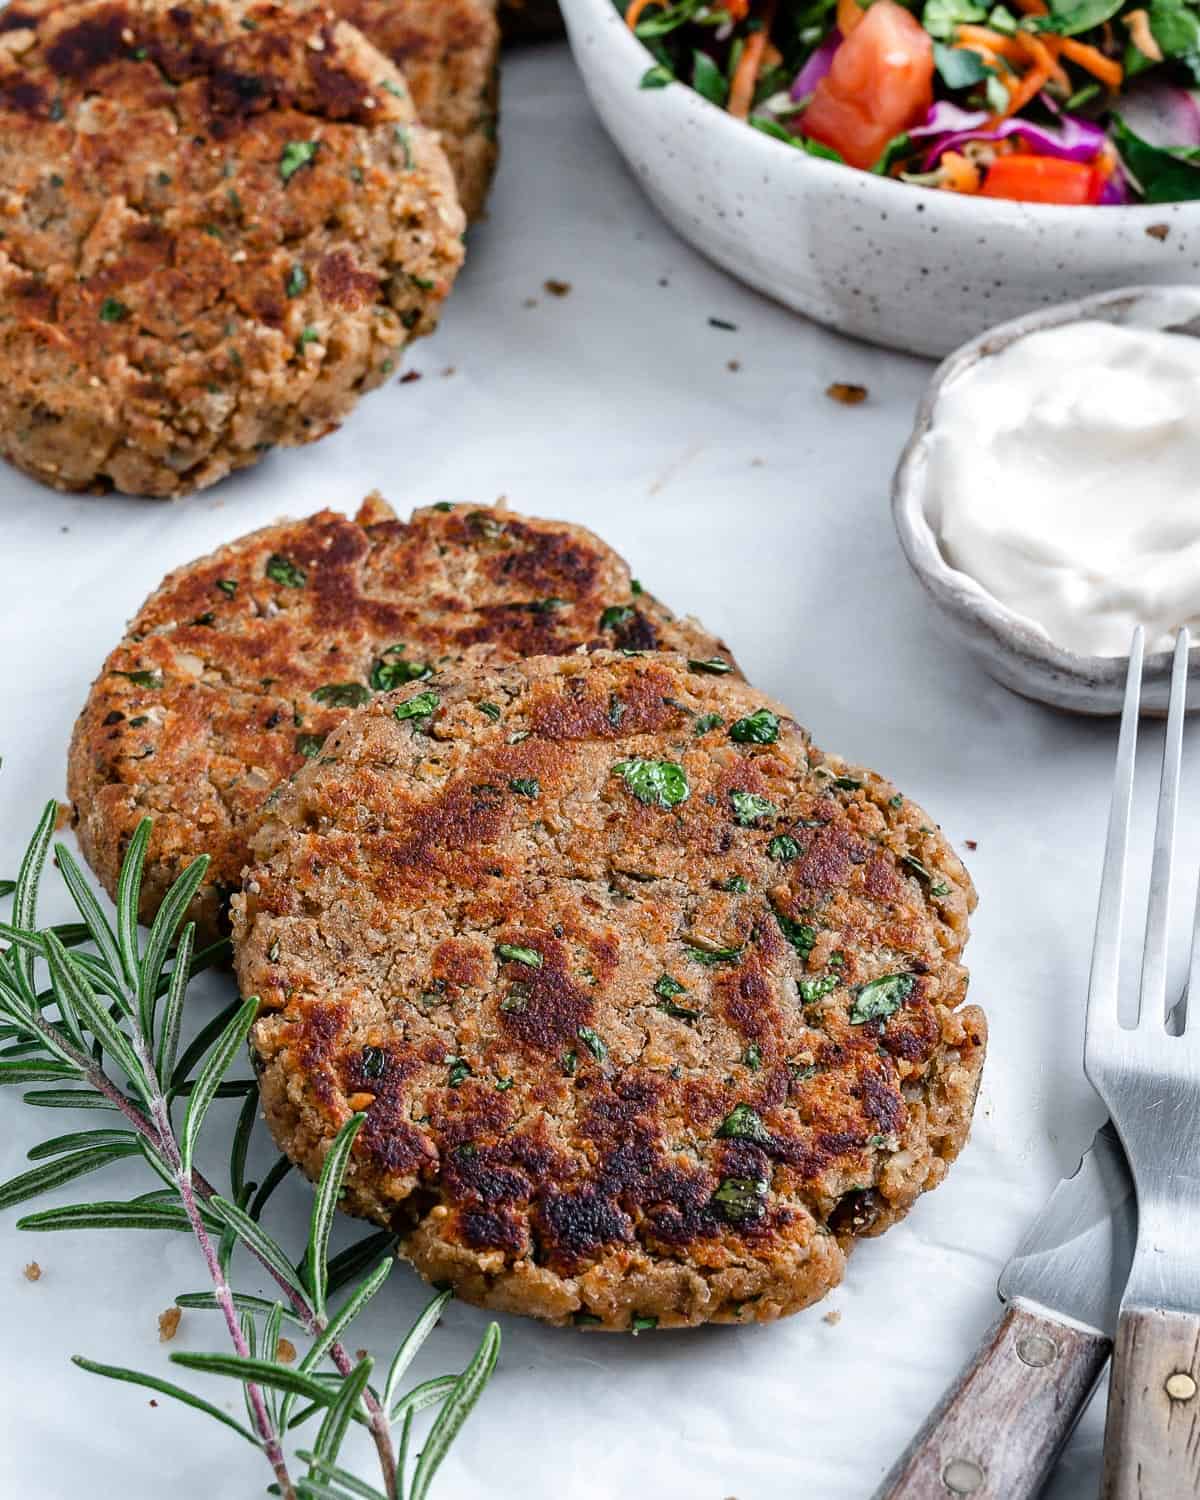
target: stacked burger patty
<point>650,1007</point>
<point>226,219</point>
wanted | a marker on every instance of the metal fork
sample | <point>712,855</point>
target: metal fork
<point>1150,1079</point>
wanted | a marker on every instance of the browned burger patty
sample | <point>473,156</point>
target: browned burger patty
<point>529,20</point>
<point>222,224</point>
<point>233,672</point>
<point>449,52</point>
<point>651,1008</point>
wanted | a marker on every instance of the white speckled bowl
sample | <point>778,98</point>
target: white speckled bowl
<point>906,267</point>
<point>1012,649</point>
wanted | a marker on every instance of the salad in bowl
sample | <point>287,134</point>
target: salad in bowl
<point>1068,102</point>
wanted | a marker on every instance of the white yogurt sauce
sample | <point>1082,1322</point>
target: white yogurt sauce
<point>1064,477</point>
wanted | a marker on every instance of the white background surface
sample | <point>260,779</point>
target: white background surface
<point>753,501</point>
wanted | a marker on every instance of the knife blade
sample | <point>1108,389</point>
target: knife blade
<point>998,1430</point>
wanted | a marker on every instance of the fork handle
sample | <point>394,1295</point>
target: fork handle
<point>999,1428</point>
<point>1151,1450</point>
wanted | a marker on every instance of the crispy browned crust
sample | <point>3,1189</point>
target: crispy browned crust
<point>457,924</point>
<point>529,20</point>
<point>207,704</point>
<point>179,290</point>
<point>449,52</point>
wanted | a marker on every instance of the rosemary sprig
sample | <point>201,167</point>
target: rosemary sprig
<point>92,1011</point>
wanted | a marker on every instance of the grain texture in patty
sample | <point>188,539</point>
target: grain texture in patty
<point>449,53</point>
<point>223,225</point>
<point>237,667</point>
<point>651,1008</point>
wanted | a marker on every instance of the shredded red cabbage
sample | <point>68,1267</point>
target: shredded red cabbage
<point>1162,113</point>
<point>816,67</point>
<point>1072,140</point>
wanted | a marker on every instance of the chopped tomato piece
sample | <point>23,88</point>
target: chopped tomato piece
<point>1043,179</point>
<point>880,84</point>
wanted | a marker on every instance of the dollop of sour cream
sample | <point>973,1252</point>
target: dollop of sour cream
<point>1064,478</point>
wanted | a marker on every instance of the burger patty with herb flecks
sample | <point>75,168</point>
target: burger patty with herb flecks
<point>238,666</point>
<point>223,223</point>
<point>650,1008</point>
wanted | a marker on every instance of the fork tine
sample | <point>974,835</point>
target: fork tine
<point>1104,982</point>
<point>1152,1008</point>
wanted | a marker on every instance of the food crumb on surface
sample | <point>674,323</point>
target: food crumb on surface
<point>361,1353</point>
<point>152,1401</point>
<point>557,288</point>
<point>971,844</point>
<point>847,394</point>
<point>734,364</point>
<point>168,1324</point>
<point>408,377</point>
<point>33,1272</point>
<point>448,371</point>
<point>1158,231</point>
<point>63,816</point>
<point>723,323</point>
<point>832,1317</point>
<point>285,1351</point>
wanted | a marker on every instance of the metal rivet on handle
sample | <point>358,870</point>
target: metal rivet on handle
<point>1180,1386</point>
<point>1037,1350</point>
<point>962,1477</point>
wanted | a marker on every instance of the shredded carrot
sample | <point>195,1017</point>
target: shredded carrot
<point>634,14</point>
<point>1044,50</point>
<point>745,78</point>
<point>958,175</point>
<point>978,37</point>
<point>1138,22</point>
<point>1092,61</point>
<point>772,56</point>
<point>849,14</point>
<point>1034,80</point>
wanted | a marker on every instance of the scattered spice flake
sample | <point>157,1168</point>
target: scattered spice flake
<point>971,844</point>
<point>1158,231</point>
<point>408,377</point>
<point>848,395</point>
<point>153,1402</point>
<point>832,1317</point>
<point>168,1324</point>
<point>735,365</point>
<point>33,1272</point>
<point>448,371</point>
<point>557,288</point>
<point>722,323</point>
<point>285,1351</point>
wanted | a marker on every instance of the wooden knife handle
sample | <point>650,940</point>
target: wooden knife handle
<point>999,1428</point>
<point>1152,1443</point>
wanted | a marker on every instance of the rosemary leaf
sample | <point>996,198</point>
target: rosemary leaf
<point>207,1302</point>
<point>256,1238</point>
<point>138,1214</point>
<point>25,893</point>
<point>332,1432</point>
<point>409,1347</point>
<point>88,907</point>
<point>325,1200</point>
<point>64,1169</point>
<point>208,1080</point>
<point>165,1388</point>
<point>129,884</point>
<point>266,1372</point>
<point>459,1404</point>
<point>166,923</point>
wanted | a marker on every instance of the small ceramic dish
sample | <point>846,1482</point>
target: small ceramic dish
<point>1011,648</point>
<point>906,267</point>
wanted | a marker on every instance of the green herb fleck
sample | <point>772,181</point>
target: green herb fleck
<point>570,1061</point>
<point>594,1043</point>
<point>758,728</point>
<point>816,989</point>
<point>420,707</point>
<point>740,1199</point>
<point>460,1069</point>
<point>227,586</point>
<point>309,745</point>
<point>642,1323</point>
<point>783,848</point>
<point>372,1062</point>
<point>737,883</point>
<point>386,675</point>
<point>752,1057</point>
<point>343,694</point>
<point>616,615</point>
<point>744,1124</point>
<point>715,666</point>
<point>657,783</point>
<point>708,954</point>
<point>749,807</point>
<point>287,574</point>
<point>503,1085</point>
<point>666,986</point>
<point>799,934</point>
<point>296,154</point>
<point>525,786</point>
<point>586,1320</point>
<point>511,953</point>
<point>146,679</point>
<point>881,998</point>
<point>616,710</point>
<point>112,311</point>
<point>297,282</point>
<point>492,711</point>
